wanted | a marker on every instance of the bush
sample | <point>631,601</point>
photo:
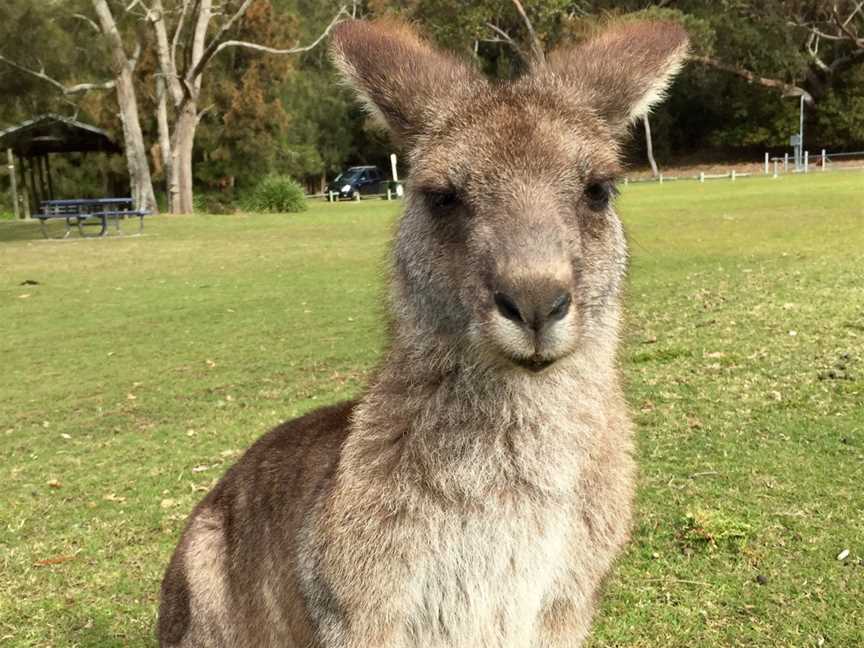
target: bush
<point>276,193</point>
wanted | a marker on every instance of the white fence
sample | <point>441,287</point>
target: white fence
<point>773,167</point>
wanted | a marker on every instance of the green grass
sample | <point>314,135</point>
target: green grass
<point>139,368</point>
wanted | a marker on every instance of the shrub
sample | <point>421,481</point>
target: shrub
<point>276,193</point>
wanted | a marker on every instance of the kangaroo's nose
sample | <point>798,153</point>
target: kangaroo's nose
<point>535,307</point>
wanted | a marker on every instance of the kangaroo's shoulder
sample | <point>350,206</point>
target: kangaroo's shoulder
<point>290,454</point>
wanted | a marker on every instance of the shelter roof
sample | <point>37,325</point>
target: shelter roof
<point>55,134</point>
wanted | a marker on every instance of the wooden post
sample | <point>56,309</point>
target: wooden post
<point>34,180</point>
<point>824,159</point>
<point>14,181</point>
<point>732,175</point>
<point>766,162</point>
<point>702,176</point>
<point>40,171</point>
<point>48,173</point>
<point>776,164</point>
<point>786,163</point>
<point>806,161</point>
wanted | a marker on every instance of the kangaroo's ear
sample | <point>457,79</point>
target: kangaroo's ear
<point>625,70</point>
<point>402,79</point>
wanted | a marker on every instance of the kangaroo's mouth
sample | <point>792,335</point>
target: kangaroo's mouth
<point>535,363</point>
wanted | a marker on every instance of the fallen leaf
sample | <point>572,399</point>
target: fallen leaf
<point>111,497</point>
<point>131,397</point>
<point>24,296</point>
<point>56,560</point>
<point>198,469</point>
<point>54,484</point>
<point>167,503</point>
<point>66,436</point>
<point>843,555</point>
<point>210,363</point>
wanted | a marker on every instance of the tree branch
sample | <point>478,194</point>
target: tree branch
<point>211,49</point>
<point>537,56</point>
<point>507,39</point>
<point>215,47</point>
<point>164,54</point>
<point>788,89</point>
<point>843,26</point>
<point>79,88</point>
<point>89,21</point>
<point>177,32</point>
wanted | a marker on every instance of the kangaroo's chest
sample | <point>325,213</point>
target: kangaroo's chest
<point>482,580</point>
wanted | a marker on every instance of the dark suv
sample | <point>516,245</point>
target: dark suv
<point>357,181</point>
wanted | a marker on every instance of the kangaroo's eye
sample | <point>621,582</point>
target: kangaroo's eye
<point>441,200</point>
<point>599,193</point>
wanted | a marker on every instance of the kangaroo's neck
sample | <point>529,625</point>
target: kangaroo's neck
<point>434,414</point>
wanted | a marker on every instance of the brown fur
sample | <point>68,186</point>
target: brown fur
<point>478,492</point>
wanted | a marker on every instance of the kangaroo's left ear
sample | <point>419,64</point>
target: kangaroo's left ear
<point>625,70</point>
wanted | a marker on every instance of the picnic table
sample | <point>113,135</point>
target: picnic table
<point>89,215</point>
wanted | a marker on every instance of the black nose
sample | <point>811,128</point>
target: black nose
<point>536,308</point>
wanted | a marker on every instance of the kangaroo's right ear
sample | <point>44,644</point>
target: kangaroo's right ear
<point>402,79</point>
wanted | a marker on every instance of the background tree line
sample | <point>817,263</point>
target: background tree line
<point>227,91</point>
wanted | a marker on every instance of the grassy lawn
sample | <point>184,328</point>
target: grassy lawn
<point>137,369</point>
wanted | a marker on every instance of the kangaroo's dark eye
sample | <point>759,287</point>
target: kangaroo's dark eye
<point>441,201</point>
<point>599,193</point>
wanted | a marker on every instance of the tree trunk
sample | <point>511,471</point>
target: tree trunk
<point>183,146</point>
<point>127,101</point>
<point>649,147</point>
<point>165,148</point>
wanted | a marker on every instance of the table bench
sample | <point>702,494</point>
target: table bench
<point>89,215</point>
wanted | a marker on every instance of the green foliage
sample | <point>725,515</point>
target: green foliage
<point>701,530</point>
<point>276,194</point>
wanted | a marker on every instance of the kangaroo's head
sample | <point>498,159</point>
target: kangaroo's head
<point>509,246</point>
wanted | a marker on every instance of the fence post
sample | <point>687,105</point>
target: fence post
<point>806,161</point>
<point>626,181</point>
<point>389,195</point>
<point>776,164</point>
<point>786,163</point>
<point>661,178</point>
<point>702,176</point>
<point>824,159</point>
<point>14,180</point>
<point>766,162</point>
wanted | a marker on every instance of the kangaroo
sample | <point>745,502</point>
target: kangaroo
<point>477,493</point>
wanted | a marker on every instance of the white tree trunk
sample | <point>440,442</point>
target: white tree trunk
<point>183,145</point>
<point>165,148</point>
<point>649,147</point>
<point>127,101</point>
